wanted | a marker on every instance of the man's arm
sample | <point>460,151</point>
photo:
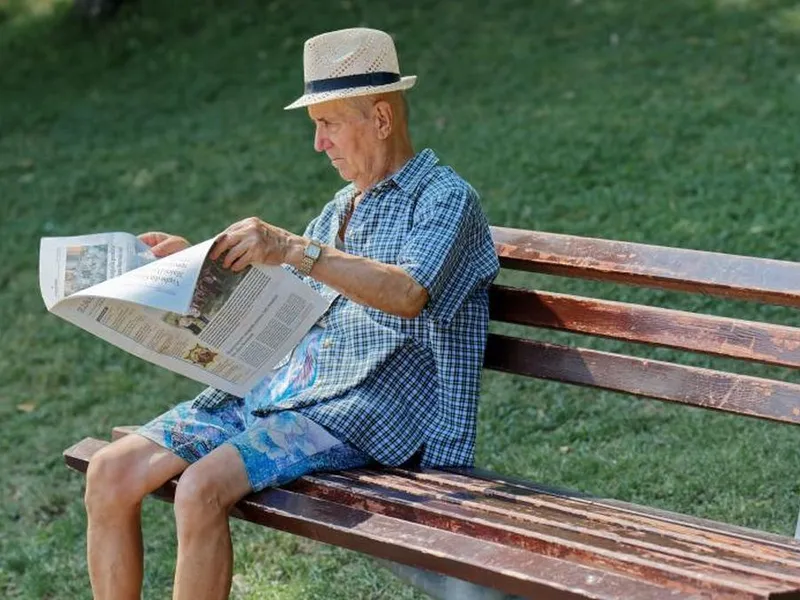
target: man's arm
<point>366,281</point>
<point>378,285</point>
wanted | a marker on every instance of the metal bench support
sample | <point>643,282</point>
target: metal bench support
<point>797,530</point>
<point>442,587</point>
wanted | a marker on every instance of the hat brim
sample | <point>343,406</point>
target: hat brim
<point>309,99</point>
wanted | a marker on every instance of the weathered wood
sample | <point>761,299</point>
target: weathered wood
<point>669,533</point>
<point>523,544</point>
<point>606,527</point>
<point>760,279</point>
<point>719,336</point>
<point>509,569</point>
<point>651,555</point>
<point>121,431</point>
<point>505,486</point>
<point>705,388</point>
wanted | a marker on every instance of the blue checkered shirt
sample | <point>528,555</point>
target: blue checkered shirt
<point>393,386</point>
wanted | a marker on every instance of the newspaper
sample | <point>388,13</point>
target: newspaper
<point>183,312</point>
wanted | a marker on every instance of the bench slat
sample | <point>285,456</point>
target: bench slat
<point>550,532</point>
<point>711,541</point>
<point>511,570</point>
<point>607,525</point>
<point>720,336</point>
<point>760,279</point>
<point>706,388</point>
<point>775,547</point>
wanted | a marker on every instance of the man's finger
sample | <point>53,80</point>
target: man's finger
<point>152,238</point>
<point>242,262</point>
<point>234,253</point>
<point>222,243</point>
<point>169,246</point>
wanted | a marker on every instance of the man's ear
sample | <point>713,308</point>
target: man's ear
<point>383,117</point>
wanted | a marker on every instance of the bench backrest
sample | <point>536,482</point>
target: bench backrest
<point>763,280</point>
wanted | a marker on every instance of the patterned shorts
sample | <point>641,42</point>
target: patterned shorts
<point>276,448</point>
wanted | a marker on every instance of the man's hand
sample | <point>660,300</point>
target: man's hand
<point>163,244</point>
<point>252,241</point>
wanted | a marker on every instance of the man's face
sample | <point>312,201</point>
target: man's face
<point>347,136</point>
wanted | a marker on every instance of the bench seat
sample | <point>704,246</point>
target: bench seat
<point>517,537</point>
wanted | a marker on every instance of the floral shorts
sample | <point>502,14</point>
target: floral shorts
<point>276,448</point>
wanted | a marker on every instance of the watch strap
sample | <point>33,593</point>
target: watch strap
<point>310,255</point>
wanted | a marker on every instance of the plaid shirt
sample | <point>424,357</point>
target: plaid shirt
<point>388,385</point>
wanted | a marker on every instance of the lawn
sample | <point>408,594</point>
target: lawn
<point>672,123</point>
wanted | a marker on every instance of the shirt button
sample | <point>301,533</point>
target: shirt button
<point>327,343</point>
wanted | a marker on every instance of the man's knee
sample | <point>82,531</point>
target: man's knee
<point>113,481</point>
<point>198,497</point>
<point>209,488</point>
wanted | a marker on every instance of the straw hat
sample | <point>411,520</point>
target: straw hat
<point>350,62</point>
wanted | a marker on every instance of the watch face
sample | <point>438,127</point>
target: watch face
<point>312,251</point>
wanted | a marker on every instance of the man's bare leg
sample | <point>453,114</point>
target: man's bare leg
<point>206,493</point>
<point>117,480</point>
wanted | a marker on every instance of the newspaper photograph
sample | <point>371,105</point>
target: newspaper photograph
<point>79,262</point>
<point>183,312</point>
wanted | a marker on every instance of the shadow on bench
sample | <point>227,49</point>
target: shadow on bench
<point>532,541</point>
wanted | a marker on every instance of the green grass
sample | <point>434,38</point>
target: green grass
<point>672,123</point>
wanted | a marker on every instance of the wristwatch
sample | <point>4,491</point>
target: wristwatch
<point>310,255</point>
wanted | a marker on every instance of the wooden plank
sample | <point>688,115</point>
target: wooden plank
<point>546,530</point>
<point>760,279</point>
<point>510,570</point>
<point>706,388</point>
<point>503,485</point>
<point>719,336</point>
<point>636,525</point>
<point>121,431</point>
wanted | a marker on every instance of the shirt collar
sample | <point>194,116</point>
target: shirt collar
<point>407,178</point>
<point>410,174</point>
<point>344,195</point>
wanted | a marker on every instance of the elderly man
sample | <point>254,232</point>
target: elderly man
<point>389,374</point>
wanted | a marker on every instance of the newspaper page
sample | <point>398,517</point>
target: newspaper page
<point>76,263</point>
<point>183,312</point>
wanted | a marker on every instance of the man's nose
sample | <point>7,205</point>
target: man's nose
<point>321,142</point>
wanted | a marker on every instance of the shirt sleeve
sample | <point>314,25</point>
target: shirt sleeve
<point>309,231</point>
<point>449,250</point>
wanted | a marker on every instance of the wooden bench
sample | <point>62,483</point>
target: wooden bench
<point>530,540</point>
